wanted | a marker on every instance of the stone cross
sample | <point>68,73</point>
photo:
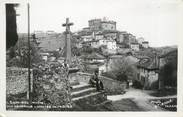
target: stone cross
<point>68,41</point>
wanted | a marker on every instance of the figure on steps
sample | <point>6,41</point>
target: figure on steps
<point>96,82</point>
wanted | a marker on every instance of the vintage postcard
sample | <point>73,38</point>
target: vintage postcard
<point>92,56</point>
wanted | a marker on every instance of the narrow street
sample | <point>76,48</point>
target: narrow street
<point>139,97</point>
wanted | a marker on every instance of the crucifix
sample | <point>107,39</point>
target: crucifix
<point>67,34</point>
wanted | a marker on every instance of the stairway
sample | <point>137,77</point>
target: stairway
<point>86,94</point>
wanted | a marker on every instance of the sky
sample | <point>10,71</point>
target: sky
<point>156,21</point>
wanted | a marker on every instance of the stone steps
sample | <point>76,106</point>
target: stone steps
<point>86,94</point>
<point>80,87</point>
<point>83,92</point>
<point>92,99</point>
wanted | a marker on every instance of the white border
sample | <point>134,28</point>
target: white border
<point>5,113</point>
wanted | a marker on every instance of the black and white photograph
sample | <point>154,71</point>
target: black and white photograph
<point>92,55</point>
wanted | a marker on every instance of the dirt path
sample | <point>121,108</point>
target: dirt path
<point>140,97</point>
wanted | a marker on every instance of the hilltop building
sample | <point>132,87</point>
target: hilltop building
<point>99,24</point>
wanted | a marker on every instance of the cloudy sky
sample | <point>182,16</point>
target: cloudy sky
<point>155,20</point>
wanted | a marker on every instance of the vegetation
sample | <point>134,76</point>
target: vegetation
<point>19,56</point>
<point>122,70</point>
<point>168,73</point>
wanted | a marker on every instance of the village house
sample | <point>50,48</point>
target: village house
<point>93,57</point>
<point>134,46</point>
<point>87,37</point>
<point>92,44</point>
<point>95,44</point>
<point>111,45</point>
<point>94,61</point>
<point>148,73</point>
<point>99,36</point>
<point>132,38</point>
<point>120,38</point>
<point>140,40</point>
<point>110,34</point>
<point>145,44</point>
<point>125,38</point>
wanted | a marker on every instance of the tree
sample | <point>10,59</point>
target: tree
<point>21,55</point>
<point>169,74</point>
<point>76,51</point>
<point>87,49</point>
<point>11,26</point>
<point>122,69</point>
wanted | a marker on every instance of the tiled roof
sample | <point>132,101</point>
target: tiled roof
<point>145,42</point>
<point>93,55</point>
<point>148,63</point>
<point>134,43</point>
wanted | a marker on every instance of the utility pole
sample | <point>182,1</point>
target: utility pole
<point>29,56</point>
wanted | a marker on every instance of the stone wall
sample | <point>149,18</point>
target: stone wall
<point>50,86</point>
<point>110,85</point>
<point>17,80</point>
<point>113,86</point>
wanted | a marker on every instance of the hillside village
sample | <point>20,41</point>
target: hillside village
<point>121,59</point>
<point>100,44</point>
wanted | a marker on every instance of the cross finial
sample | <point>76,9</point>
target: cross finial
<point>67,25</point>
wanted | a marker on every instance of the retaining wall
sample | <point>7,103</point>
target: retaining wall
<point>110,85</point>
